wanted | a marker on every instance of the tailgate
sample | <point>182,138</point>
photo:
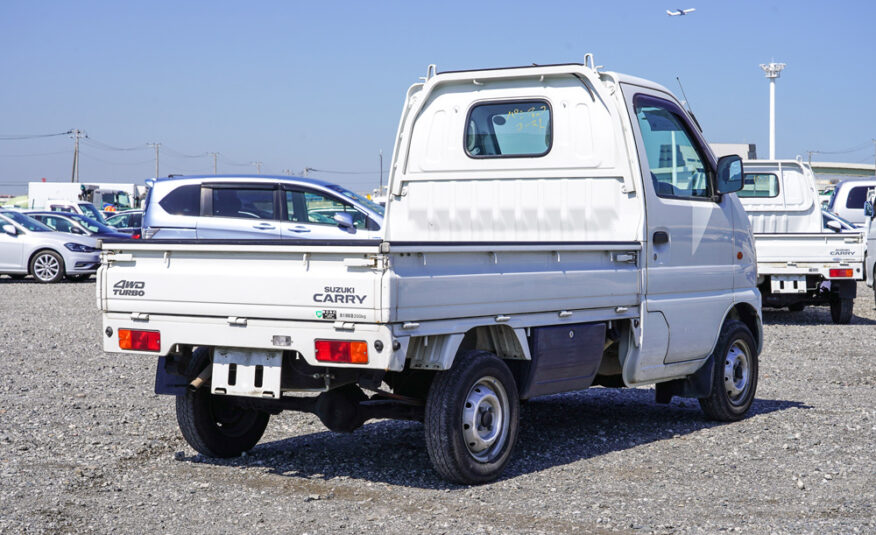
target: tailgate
<point>809,253</point>
<point>243,280</point>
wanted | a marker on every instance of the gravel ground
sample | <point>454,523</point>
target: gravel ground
<point>86,447</point>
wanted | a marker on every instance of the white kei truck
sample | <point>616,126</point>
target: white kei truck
<point>549,228</point>
<point>799,262</point>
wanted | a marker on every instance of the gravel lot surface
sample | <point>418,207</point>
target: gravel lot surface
<point>86,447</point>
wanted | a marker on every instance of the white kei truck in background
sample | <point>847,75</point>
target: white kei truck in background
<point>549,228</point>
<point>799,262</point>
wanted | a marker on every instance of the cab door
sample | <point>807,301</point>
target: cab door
<point>310,215</point>
<point>689,248</point>
<point>11,249</point>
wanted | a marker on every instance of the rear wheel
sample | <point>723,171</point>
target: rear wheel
<point>472,415</point>
<point>734,379</point>
<point>841,310</point>
<point>216,426</point>
<point>47,266</point>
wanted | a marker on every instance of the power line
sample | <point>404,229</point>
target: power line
<point>92,157</point>
<point>13,137</point>
<point>33,154</point>
<point>183,155</point>
<point>105,146</point>
<point>312,170</point>
<point>846,151</point>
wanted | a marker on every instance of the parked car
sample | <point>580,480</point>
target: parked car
<point>129,222</point>
<point>836,223</point>
<point>78,224</point>
<point>849,197</point>
<point>870,260</point>
<point>30,247</point>
<point>257,207</point>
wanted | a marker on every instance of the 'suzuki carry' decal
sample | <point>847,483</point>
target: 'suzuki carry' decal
<point>339,294</point>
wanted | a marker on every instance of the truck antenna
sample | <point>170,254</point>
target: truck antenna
<point>686,101</point>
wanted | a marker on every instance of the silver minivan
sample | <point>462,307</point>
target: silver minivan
<point>848,199</point>
<point>257,207</point>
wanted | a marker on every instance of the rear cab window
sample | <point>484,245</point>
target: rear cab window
<point>520,128</point>
<point>759,185</point>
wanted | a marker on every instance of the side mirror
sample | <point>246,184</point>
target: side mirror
<point>10,229</point>
<point>344,220</point>
<point>729,178</point>
<point>868,209</point>
<point>834,226</point>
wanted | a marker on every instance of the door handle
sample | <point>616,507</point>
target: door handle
<point>661,237</point>
<point>299,229</point>
<point>264,226</point>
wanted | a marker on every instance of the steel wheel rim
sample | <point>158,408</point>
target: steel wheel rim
<point>485,421</point>
<point>737,372</point>
<point>46,267</point>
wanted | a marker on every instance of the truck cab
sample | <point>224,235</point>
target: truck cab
<point>548,228</point>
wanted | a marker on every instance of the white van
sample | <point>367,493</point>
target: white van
<point>849,197</point>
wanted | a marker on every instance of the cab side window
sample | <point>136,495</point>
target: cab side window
<point>678,168</point>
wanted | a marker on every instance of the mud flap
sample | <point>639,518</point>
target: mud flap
<point>169,380</point>
<point>697,385</point>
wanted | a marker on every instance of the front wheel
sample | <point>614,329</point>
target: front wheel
<point>841,310</point>
<point>472,415</point>
<point>47,266</point>
<point>734,379</point>
<point>216,426</point>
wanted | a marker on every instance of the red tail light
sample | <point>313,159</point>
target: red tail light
<point>139,340</point>
<point>135,236</point>
<point>355,352</point>
<point>841,273</point>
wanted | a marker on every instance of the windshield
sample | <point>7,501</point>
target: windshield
<point>90,224</point>
<point>28,223</point>
<point>371,205</point>
<point>92,212</point>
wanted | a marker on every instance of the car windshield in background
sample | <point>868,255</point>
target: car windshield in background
<point>91,211</point>
<point>28,223</point>
<point>371,205</point>
<point>91,224</point>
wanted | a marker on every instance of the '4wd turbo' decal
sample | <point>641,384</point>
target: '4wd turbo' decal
<point>339,294</point>
<point>133,288</point>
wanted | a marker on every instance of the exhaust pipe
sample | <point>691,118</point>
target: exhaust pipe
<point>202,378</point>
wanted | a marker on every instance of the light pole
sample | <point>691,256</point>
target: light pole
<point>772,71</point>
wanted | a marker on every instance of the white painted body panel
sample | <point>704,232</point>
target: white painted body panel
<point>793,207</point>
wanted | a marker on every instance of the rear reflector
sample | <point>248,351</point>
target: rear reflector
<point>342,351</point>
<point>139,340</point>
<point>837,273</point>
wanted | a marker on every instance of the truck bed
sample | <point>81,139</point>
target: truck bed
<point>809,253</point>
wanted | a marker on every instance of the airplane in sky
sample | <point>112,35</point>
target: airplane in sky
<point>679,12</point>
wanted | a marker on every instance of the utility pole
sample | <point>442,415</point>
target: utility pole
<point>156,146</point>
<point>811,152</point>
<point>380,184</point>
<point>772,72</point>
<point>215,162</point>
<point>305,171</point>
<point>74,177</point>
<point>258,166</point>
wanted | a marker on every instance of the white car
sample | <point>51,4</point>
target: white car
<point>29,247</point>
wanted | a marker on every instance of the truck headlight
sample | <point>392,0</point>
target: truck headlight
<point>80,248</point>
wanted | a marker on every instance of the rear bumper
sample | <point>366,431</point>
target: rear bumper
<point>255,334</point>
<point>810,268</point>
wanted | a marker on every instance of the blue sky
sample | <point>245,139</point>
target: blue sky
<point>321,84</point>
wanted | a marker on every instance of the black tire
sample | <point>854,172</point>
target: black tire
<point>79,278</point>
<point>47,266</point>
<point>734,379</point>
<point>796,307</point>
<point>479,387</point>
<point>216,426</point>
<point>841,310</point>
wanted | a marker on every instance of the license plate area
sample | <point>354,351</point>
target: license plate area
<point>245,372</point>
<point>788,284</point>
